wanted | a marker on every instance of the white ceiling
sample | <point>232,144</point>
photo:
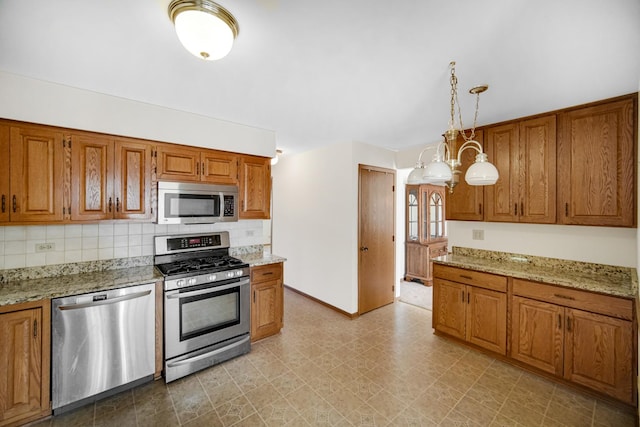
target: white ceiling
<point>325,71</point>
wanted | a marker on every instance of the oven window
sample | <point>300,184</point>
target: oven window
<point>207,313</point>
<point>191,205</point>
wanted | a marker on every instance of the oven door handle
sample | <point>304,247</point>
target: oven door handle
<point>209,354</point>
<point>176,294</point>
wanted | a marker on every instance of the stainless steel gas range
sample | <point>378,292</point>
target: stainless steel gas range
<point>206,302</point>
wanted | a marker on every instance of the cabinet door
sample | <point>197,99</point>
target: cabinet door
<point>449,307</point>
<point>596,159</point>
<point>5,161</point>
<point>466,201</point>
<point>20,364</point>
<point>487,319</point>
<point>255,187</point>
<point>132,180</point>
<point>432,213</point>
<point>37,167</point>
<point>537,334</point>
<point>417,261</point>
<point>599,353</point>
<point>537,170</point>
<point>91,177</point>
<point>266,309</point>
<point>412,212</point>
<point>178,163</point>
<point>502,148</point>
<point>219,168</point>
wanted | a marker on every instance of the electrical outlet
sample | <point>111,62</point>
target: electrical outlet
<point>45,247</point>
<point>477,234</point>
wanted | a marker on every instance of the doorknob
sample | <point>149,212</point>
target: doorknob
<point>364,249</point>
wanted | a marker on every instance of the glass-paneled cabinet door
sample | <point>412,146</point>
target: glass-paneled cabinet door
<point>412,213</point>
<point>436,216</point>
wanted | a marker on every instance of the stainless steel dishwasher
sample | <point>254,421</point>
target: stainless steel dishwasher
<point>102,343</point>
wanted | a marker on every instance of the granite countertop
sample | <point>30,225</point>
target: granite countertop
<point>33,289</point>
<point>600,278</point>
<point>19,291</point>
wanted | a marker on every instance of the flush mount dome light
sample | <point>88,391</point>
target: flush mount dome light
<point>204,28</point>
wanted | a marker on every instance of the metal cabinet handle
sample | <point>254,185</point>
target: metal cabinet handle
<point>35,328</point>
<point>559,321</point>
<point>117,204</point>
<point>15,204</point>
<point>566,209</point>
<point>466,277</point>
<point>521,208</point>
<point>4,201</point>
<point>463,297</point>
<point>568,323</point>
<point>563,297</point>
<point>110,204</point>
<point>515,209</point>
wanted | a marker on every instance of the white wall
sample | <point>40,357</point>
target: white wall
<point>43,102</point>
<point>315,219</point>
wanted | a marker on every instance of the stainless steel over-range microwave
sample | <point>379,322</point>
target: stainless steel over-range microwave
<point>194,203</point>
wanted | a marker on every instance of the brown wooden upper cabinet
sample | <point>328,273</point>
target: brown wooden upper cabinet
<point>255,187</point>
<point>525,154</point>
<point>466,201</point>
<point>33,160</point>
<point>110,178</point>
<point>597,164</point>
<point>181,163</point>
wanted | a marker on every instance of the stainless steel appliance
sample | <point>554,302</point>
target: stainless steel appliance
<point>102,343</point>
<point>194,203</point>
<point>206,302</point>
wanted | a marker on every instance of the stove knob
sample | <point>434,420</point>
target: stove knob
<point>212,277</point>
<point>230,274</point>
<point>180,283</point>
<point>192,281</point>
<point>239,273</point>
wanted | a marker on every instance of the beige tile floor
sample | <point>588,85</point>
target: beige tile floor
<point>384,368</point>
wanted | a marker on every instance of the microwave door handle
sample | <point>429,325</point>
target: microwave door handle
<point>221,205</point>
<point>207,291</point>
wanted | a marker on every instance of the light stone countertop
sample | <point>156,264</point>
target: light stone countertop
<point>600,278</point>
<point>33,289</point>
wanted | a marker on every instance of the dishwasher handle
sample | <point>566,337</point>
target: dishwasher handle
<point>106,301</point>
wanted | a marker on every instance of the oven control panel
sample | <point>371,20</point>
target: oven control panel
<point>172,284</point>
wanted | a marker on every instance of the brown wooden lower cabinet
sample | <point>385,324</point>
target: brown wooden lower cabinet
<point>267,300</point>
<point>579,336</point>
<point>24,362</point>
<point>592,349</point>
<point>471,306</point>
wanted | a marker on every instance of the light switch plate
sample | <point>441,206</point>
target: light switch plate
<point>45,247</point>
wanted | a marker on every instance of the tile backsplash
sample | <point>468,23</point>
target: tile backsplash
<point>37,245</point>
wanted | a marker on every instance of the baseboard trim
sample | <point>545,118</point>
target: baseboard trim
<point>336,309</point>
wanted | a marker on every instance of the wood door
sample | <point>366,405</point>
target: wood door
<point>487,319</point>
<point>502,148</point>
<point>132,180</point>
<point>376,239</point>
<point>20,364</point>
<point>37,168</point>
<point>449,307</point>
<point>466,201</point>
<point>537,170</point>
<point>255,187</point>
<point>599,353</point>
<point>178,163</point>
<point>91,177</point>
<point>5,161</point>
<point>596,164</point>
<point>219,168</point>
<point>537,334</point>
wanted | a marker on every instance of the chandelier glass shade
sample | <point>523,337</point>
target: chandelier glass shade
<point>205,29</point>
<point>443,170</point>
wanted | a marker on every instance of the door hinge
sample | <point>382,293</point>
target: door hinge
<point>393,238</point>
<point>393,188</point>
<point>393,288</point>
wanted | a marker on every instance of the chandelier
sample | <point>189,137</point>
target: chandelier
<point>443,170</point>
<point>204,28</point>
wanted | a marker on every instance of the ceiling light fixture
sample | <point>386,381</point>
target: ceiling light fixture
<point>204,28</point>
<point>443,170</point>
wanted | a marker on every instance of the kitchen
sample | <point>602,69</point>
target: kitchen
<point>335,245</point>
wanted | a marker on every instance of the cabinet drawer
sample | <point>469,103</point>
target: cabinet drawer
<point>611,306</point>
<point>266,272</point>
<point>471,277</point>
